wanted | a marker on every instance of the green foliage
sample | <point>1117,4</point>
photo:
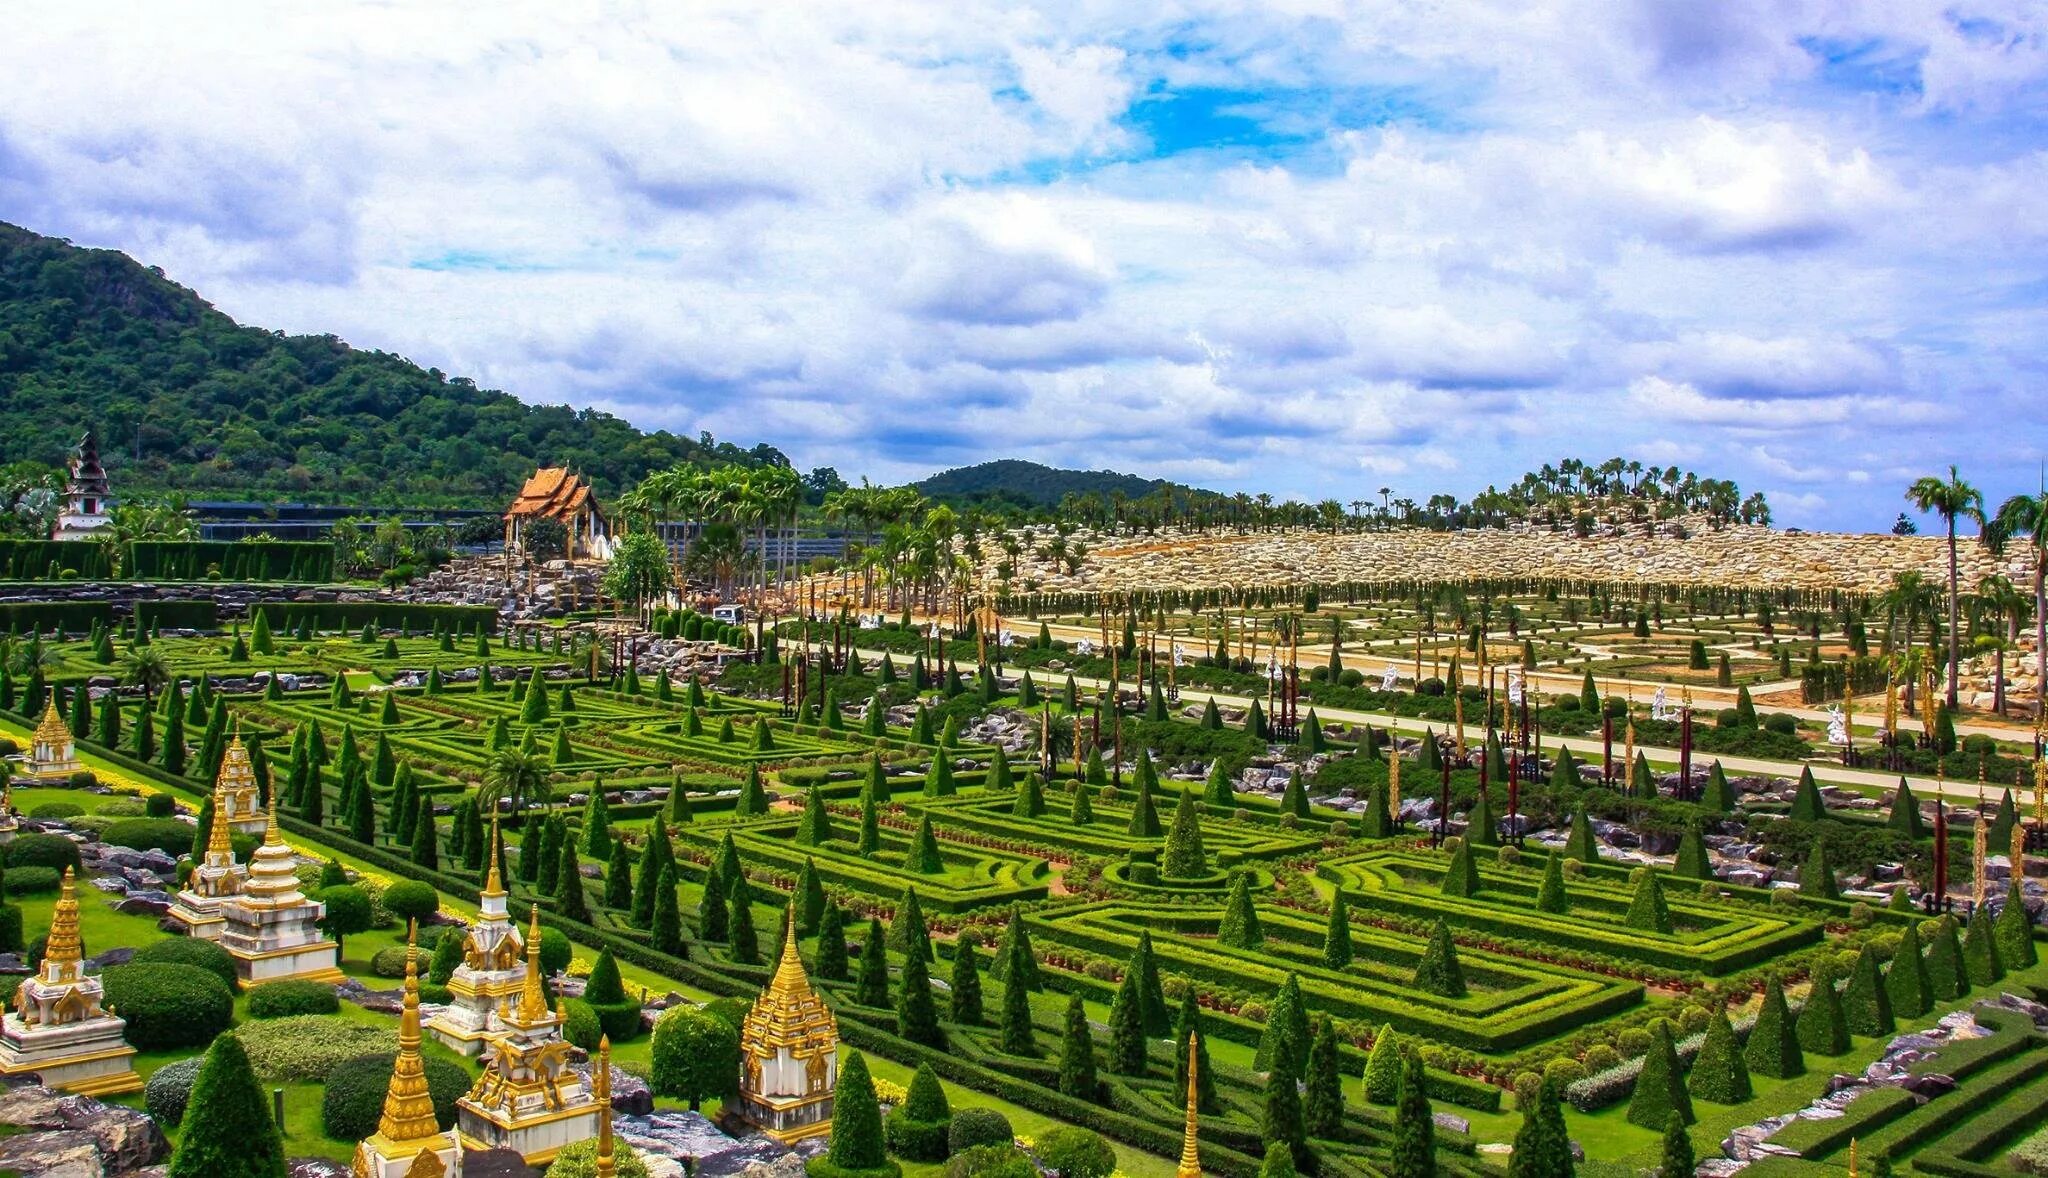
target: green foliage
<point>1383,1067</point>
<point>697,1056</point>
<point>1807,805</point>
<point>1946,979</point>
<point>1184,857</point>
<point>354,1096</point>
<point>1073,1152</point>
<point>1678,1160</point>
<point>2014,931</point>
<point>965,992</point>
<point>1866,1005</point>
<point>1461,878</point>
<point>1438,972</point>
<point>1413,1151</point>
<point>228,1132</point>
<point>1719,1073</point>
<point>169,1005</point>
<point>1323,1102</point>
<point>872,986</point>
<point>1823,1029</point>
<point>919,1129</point>
<point>1660,1087</point>
<point>1283,1042</point>
<point>1551,895</point>
<point>1817,877</point>
<point>1906,982</point>
<point>977,1127</point>
<point>1646,910</point>
<point>857,1142</point>
<point>292,996</point>
<point>1077,1052</point>
<point>169,1090</point>
<point>195,951</point>
<point>1337,935</point>
<point>1980,950</point>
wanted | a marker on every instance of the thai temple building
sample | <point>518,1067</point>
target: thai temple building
<point>493,971</point>
<point>270,926</point>
<point>556,493</point>
<point>1190,1149</point>
<point>408,1142</point>
<point>52,754</point>
<point>88,507</point>
<point>789,1054</point>
<point>528,1099</point>
<point>58,1029</point>
<point>218,877</point>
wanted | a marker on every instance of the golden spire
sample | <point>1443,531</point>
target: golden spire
<point>63,951</point>
<point>217,841</point>
<point>493,886</point>
<point>533,1002</point>
<point>1393,777</point>
<point>271,838</point>
<point>53,730</point>
<point>1852,1157</point>
<point>408,1107</point>
<point>1190,1150</point>
<point>601,1092</point>
<point>1980,844</point>
<point>789,971</point>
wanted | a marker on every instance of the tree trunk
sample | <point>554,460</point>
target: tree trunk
<point>1955,669</point>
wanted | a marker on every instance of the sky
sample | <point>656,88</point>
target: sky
<point>1311,248</point>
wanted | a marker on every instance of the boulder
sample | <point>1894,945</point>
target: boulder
<point>318,1168</point>
<point>62,1154</point>
<point>119,1138</point>
<point>145,904</point>
<point>491,1163</point>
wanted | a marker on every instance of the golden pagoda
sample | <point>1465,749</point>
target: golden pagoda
<point>59,1030</point>
<point>52,756</point>
<point>270,926</point>
<point>218,876</point>
<point>1190,1150</point>
<point>789,1053</point>
<point>527,1098</point>
<point>408,1142</point>
<point>493,969</point>
<point>235,793</point>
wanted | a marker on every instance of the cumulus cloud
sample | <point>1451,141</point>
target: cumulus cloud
<point>1305,248</point>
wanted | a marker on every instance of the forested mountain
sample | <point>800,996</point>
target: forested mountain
<point>1015,482</point>
<point>187,400</point>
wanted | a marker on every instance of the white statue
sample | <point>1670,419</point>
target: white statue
<point>1515,686</point>
<point>1658,705</point>
<point>1273,667</point>
<point>1006,638</point>
<point>871,621</point>
<point>1180,655</point>
<point>1084,647</point>
<point>1838,725</point>
<point>1390,677</point>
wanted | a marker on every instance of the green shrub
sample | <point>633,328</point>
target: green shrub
<point>389,962</point>
<point>917,1130</point>
<point>1076,1153</point>
<point>979,1127</point>
<point>32,881</point>
<point>189,951</point>
<point>307,1047</point>
<point>56,811</point>
<point>696,1055</point>
<point>54,851</point>
<point>355,1094</point>
<point>581,1025</point>
<point>170,1089</point>
<point>579,1160</point>
<point>168,835</point>
<point>410,899</point>
<point>991,1161</point>
<point>168,1005</point>
<point>291,996</point>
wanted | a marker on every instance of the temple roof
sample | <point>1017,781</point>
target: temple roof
<point>789,1012</point>
<point>554,492</point>
<point>52,730</point>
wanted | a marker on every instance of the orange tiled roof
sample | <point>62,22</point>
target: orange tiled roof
<point>552,493</point>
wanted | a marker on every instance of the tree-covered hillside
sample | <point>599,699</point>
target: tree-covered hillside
<point>1030,484</point>
<point>187,400</point>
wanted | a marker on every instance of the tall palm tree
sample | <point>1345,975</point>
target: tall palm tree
<point>1999,599</point>
<point>1952,499</point>
<point>2027,516</point>
<point>511,775</point>
<point>146,667</point>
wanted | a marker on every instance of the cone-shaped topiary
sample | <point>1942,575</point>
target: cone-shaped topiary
<point>1906,982</point>
<point>924,857</point>
<point>1188,1027</point>
<point>1581,844</point>
<point>1551,895</point>
<point>1144,819</point>
<point>1337,935</point>
<point>1980,950</point>
<point>1905,816</point>
<point>1660,1086</point>
<point>1822,1028</point>
<point>1807,805</point>
<point>1239,928</point>
<point>857,1145</point>
<point>1383,1067</point>
<point>1323,1102</point>
<point>832,964</point>
<point>1481,827</point>
<point>1077,1052</point>
<point>1413,1151</point>
<point>1438,972</point>
<point>1946,978</point>
<point>815,827</point>
<point>1283,1042</point>
<point>1718,1071</point>
<point>1817,877</point>
<point>1461,877</point>
<point>1184,857</point>
<point>2015,931</point>
<point>1773,1047</point>
<point>1294,798</point>
<point>1866,1007</point>
<point>872,986</point>
<point>1679,1160</point>
<point>1646,911</point>
<point>917,1128</point>
<point>1692,856</point>
<point>227,1131</point>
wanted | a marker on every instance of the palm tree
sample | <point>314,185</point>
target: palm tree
<point>2027,516</point>
<point>2001,599</point>
<point>146,667</point>
<point>514,776</point>
<point>1952,500</point>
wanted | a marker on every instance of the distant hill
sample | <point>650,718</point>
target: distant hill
<point>1032,484</point>
<point>187,400</point>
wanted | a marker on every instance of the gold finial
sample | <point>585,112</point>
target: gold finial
<point>63,951</point>
<point>493,886</point>
<point>408,1106</point>
<point>218,843</point>
<point>1190,1150</point>
<point>533,1003</point>
<point>271,837</point>
<point>601,1092</point>
<point>1852,1157</point>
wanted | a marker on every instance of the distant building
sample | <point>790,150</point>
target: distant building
<point>88,506</point>
<point>555,493</point>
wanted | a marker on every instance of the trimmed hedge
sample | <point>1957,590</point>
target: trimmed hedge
<point>172,837</point>
<point>192,560</point>
<point>385,615</point>
<point>168,1005</point>
<point>355,1094</point>
<point>291,996</point>
<point>51,850</point>
<point>189,951</point>
<point>170,1089</point>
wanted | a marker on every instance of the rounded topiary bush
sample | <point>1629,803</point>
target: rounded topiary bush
<point>189,951</point>
<point>129,808</point>
<point>1076,1153</point>
<point>974,1127</point>
<point>156,806</point>
<point>990,1161</point>
<point>555,951</point>
<point>389,962</point>
<point>306,1048</point>
<point>409,899</point>
<point>168,835</point>
<point>581,1025</point>
<point>56,811</point>
<point>1782,723</point>
<point>291,996</point>
<point>32,881</point>
<point>355,1094</point>
<point>49,850</point>
<point>170,1089</point>
<point>169,1005</point>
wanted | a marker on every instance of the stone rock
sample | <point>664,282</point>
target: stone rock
<point>116,956</point>
<point>789,1165</point>
<point>1451,1122</point>
<point>120,1138</point>
<point>144,904</point>
<point>489,1163</point>
<point>324,1168</point>
<point>1929,1085</point>
<point>52,1155</point>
